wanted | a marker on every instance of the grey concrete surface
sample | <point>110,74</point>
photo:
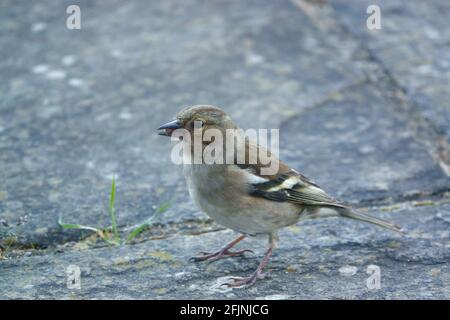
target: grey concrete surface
<point>363,113</point>
<point>311,262</point>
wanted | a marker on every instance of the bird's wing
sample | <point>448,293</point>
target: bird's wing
<point>285,185</point>
<point>288,185</point>
<point>293,187</point>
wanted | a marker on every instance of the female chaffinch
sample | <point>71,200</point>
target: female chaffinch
<point>240,196</point>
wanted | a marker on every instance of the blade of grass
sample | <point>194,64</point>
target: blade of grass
<point>78,226</point>
<point>136,231</point>
<point>98,231</point>
<point>112,211</point>
<point>162,208</point>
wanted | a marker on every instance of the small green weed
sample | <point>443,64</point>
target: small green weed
<point>111,235</point>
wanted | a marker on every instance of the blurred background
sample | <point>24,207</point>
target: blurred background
<point>364,113</point>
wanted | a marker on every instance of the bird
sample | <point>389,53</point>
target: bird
<point>242,196</point>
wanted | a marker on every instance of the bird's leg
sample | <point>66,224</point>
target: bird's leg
<point>258,274</point>
<point>223,253</point>
<point>237,282</point>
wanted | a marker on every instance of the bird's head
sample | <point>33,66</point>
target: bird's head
<point>202,117</point>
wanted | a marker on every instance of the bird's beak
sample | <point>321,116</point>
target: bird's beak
<point>169,127</point>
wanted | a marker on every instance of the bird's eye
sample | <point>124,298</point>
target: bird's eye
<point>197,124</point>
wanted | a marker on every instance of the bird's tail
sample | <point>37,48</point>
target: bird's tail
<point>361,216</point>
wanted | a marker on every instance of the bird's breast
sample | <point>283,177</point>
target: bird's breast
<point>224,197</point>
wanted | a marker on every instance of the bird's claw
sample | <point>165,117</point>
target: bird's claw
<point>243,282</point>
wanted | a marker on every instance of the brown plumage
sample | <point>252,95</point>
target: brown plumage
<point>238,194</point>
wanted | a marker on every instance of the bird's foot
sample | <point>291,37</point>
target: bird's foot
<point>244,282</point>
<point>224,253</point>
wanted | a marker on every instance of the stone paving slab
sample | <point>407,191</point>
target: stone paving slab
<point>314,260</point>
<point>414,47</point>
<point>78,107</point>
<point>358,146</point>
<point>81,106</point>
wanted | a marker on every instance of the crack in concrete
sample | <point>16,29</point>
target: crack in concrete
<point>328,98</point>
<point>159,231</point>
<point>425,131</point>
